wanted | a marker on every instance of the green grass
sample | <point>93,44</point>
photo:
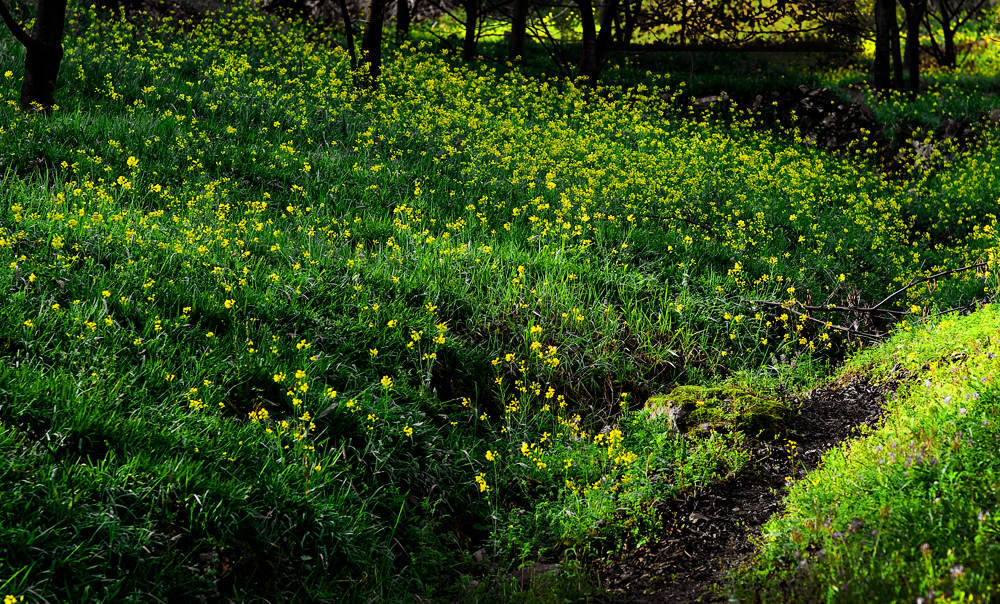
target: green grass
<point>909,510</point>
<point>267,335</point>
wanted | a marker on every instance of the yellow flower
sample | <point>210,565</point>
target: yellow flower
<point>481,481</point>
<point>229,303</point>
<point>132,162</point>
<point>210,334</point>
<point>106,294</point>
<point>408,431</point>
<point>386,381</point>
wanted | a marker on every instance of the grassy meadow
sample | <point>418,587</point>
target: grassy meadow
<point>266,335</point>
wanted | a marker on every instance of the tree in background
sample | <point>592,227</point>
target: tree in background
<point>471,27</point>
<point>371,41</point>
<point>950,16</point>
<point>43,52</point>
<point>731,23</point>
<point>345,15</point>
<point>887,46</point>
<point>885,16</point>
<point>914,16</point>
<point>518,30</point>
<point>404,17</point>
<point>595,42</point>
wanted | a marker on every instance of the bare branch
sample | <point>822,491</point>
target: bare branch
<point>19,33</point>
<point>858,309</point>
<point>913,284</point>
<point>828,325</point>
<point>969,13</point>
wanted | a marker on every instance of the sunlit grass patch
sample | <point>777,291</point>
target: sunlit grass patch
<point>908,510</point>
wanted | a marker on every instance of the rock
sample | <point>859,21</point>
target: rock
<point>711,99</point>
<point>993,116</point>
<point>699,409</point>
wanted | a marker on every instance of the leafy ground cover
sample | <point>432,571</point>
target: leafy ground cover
<point>268,334</point>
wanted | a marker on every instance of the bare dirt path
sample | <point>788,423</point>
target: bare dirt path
<point>709,533</point>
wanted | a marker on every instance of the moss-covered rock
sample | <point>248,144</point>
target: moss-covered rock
<point>720,408</point>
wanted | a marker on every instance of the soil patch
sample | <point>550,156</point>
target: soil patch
<point>710,532</point>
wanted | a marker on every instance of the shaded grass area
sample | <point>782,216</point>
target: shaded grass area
<point>965,94</point>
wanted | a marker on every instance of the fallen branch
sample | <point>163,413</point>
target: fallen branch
<point>913,284</point>
<point>861,309</point>
<point>827,324</point>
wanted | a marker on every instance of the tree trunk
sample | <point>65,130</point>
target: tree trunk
<point>914,15</point>
<point>950,58</point>
<point>471,24</point>
<point>608,12</point>
<point>345,14</point>
<point>43,53</point>
<point>629,29</point>
<point>371,43</point>
<point>897,58</point>
<point>518,30</point>
<point>883,44</point>
<point>589,66</point>
<point>402,20</point>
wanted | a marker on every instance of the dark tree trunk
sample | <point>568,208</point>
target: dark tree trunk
<point>371,43</point>
<point>914,16</point>
<point>402,20</point>
<point>950,57</point>
<point>345,14</point>
<point>43,52</point>
<point>951,15</point>
<point>595,45</point>
<point>471,25</point>
<point>885,10</point>
<point>629,28</point>
<point>589,64</point>
<point>609,10</point>
<point>897,57</point>
<point>518,30</point>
